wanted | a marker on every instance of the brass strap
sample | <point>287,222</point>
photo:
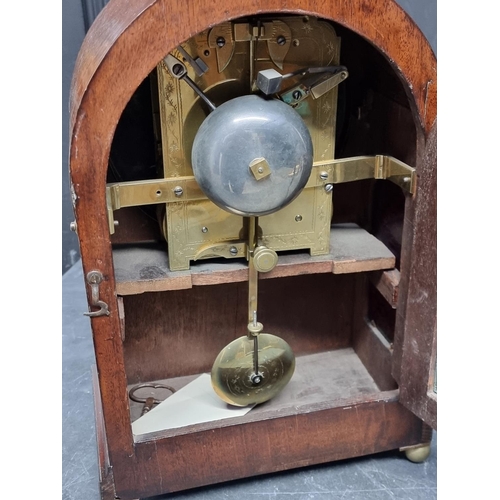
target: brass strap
<point>175,189</point>
<point>369,167</point>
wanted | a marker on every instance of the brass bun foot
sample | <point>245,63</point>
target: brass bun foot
<point>418,454</point>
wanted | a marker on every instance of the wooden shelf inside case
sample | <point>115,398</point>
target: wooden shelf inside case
<point>144,268</point>
<point>321,381</point>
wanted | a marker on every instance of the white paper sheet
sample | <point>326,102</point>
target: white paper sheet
<point>195,403</point>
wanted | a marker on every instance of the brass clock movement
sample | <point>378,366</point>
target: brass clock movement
<point>246,126</point>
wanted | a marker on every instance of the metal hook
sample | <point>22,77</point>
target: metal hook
<point>94,278</point>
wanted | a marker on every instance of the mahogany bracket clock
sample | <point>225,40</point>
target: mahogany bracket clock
<point>254,187</point>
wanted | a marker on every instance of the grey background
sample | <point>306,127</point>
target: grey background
<point>77,15</point>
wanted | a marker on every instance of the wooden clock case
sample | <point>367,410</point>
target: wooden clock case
<point>371,308</point>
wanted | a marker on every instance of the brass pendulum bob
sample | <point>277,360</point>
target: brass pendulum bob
<point>253,368</point>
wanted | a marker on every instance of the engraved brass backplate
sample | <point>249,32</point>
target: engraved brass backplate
<point>234,53</point>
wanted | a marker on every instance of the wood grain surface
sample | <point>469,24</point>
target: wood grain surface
<point>271,445</point>
<point>387,283</point>
<point>144,268</point>
<point>338,377</point>
<point>176,333</point>
<point>419,319</point>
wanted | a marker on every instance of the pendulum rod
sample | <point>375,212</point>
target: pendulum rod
<point>255,349</point>
<point>253,274</point>
<point>254,328</point>
<point>253,368</point>
<point>252,59</point>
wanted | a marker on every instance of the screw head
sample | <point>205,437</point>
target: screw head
<point>256,378</point>
<point>94,277</point>
<point>297,94</point>
<point>329,188</point>
<point>233,251</point>
<point>178,191</point>
<point>298,218</point>
<point>281,40</point>
<point>72,226</point>
<point>323,176</point>
<point>221,41</point>
<point>204,229</point>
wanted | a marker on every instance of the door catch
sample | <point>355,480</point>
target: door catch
<point>94,278</point>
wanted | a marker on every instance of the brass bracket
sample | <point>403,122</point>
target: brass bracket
<point>371,167</point>
<point>154,191</point>
<point>315,86</point>
<point>223,37</point>
<point>175,189</point>
<point>150,192</point>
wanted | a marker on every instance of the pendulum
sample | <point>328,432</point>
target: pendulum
<point>253,368</point>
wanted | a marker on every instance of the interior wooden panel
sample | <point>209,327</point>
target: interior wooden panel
<point>136,224</point>
<point>145,268</point>
<point>376,424</point>
<point>375,352</point>
<point>387,214</point>
<point>387,283</point>
<point>374,114</point>
<point>320,380</point>
<point>368,342</point>
<point>380,313</point>
<point>170,334</point>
